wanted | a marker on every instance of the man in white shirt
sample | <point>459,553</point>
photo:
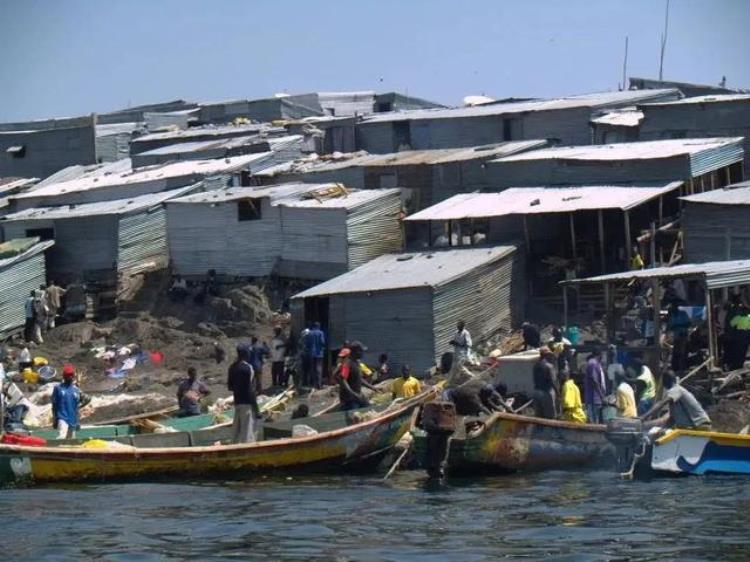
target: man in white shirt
<point>461,343</point>
<point>278,356</point>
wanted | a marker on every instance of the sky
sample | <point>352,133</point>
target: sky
<point>74,57</point>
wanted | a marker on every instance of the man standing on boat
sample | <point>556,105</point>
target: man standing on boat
<point>685,412</point>
<point>66,399</point>
<point>594,388</point>
<point>351,381</point>
<point>240,382</point>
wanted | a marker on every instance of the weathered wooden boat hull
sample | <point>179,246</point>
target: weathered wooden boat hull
<point>700,452</point>
<point>510,443</point>
<point>333,449</point>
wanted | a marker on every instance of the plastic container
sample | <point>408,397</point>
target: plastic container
<point>26,440</point>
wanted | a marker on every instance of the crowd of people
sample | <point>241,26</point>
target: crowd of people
<point>607,387</point>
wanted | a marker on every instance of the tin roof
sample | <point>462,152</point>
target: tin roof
<point>711,98</point>
<point>288,195</point>
<point>409,270</point>
<point>600,99</point>
<point>404,158</point>
<point>35,249</point>
<point>626,117</point>
<point>717,274</point>
<point>642,150</point>
<point>141,175</point>
<point>736,194</point>
<point>203,131</point>
<point>541,200</point>
<point>116,207</point>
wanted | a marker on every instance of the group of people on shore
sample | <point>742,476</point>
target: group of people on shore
<point>42,308</point>
<point>610,389</point>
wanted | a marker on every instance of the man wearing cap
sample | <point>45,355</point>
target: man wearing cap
<point>240,382</point>
<point>66,399</point>
<point>351,380</point>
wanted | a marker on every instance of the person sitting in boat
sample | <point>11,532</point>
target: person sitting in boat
<point>645,376</point>
<point>572,406</point>
<point>66,400</point>
<point>189,394</point>
<point>685,412</point>
<point>625,398</point>
<point>406,386</point>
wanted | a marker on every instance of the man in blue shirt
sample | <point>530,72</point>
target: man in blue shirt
<point>66,399</point>
<point>315,344</point>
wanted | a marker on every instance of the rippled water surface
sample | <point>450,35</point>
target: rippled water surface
<point>563,516</point>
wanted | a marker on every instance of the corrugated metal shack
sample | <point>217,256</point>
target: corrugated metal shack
<point>565,120</point>
<point>407,305</point>
<point>138,113</point>
<point>716,225</point>
<point>393,101</point>
<point>425,176</point>
<point>103,184</point>
<point>113,141</point>
<point>688,89</point>
<point>301,231</point>
<point>703,164</point>
<point>287,148</point>
<point>261,110</point>
<point>111,239</point>
<point>704,116</point>
<point>40,148</point>
<point>19,275</point>
<point>347,104</point>
<point>619,125</point>
<point>212,133</point>
<point>590,229</point>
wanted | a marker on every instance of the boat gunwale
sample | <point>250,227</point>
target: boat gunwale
<point>78,453</point>
<point>675,433</point>
<point>497,417</point>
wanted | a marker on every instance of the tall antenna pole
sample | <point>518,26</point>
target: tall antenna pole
<point>664,42</point>
<point>625,65</point>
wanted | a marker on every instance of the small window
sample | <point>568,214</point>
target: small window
<point>384,107</point>
<point>18,151</point>
<point>248,210</point>
<point>42,233</point>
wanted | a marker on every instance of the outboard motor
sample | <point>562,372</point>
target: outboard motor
<point>439,421</point>
<point>626,434</point>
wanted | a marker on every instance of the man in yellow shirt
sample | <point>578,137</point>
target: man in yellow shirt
<point>406,386</point>
<point>572,406</point>
<point>625,398</point>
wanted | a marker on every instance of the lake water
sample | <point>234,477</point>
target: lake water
<point>557,515</point>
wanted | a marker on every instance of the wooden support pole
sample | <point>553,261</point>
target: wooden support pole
<point>602,251</point>
<point>652,245</point>
<point>565,306</point>
<point>609,306</point>
<point>656,300</point>
<point>661,209</point>
<point>526,236</point>
<point>450,233</point>
<point>573,236</point>
<point>628,246</point>
<point>711,329</point>
<point>713,180</point>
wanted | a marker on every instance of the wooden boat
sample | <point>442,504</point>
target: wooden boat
<point>139,423</point>
<point>511,442</point>
<point>343,441</point>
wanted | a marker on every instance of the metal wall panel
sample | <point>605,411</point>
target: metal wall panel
<point>17,280</point>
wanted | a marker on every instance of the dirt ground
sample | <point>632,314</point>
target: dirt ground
<point>185,333</point>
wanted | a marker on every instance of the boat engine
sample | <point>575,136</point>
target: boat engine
<point>626,434</point>
<point>438,419</point>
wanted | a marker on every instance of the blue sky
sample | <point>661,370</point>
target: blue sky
<point>71,57</point>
